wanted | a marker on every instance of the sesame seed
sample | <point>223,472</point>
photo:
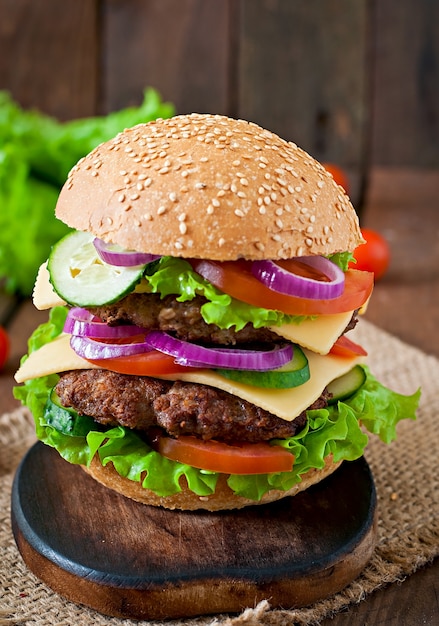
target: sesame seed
<point>209,209</point>
<point>221,241</point>
<point>216,202</point>
<point>200,185</point>
<point>239,213</point>
<point>139,186</point>
<point>178,245</point>
<point>147,217</point>
<point>182,217</point>
<point>279,223</point>
<point>161,210</point>
<point>244,181</point>
<point>259,246</point>
<point>326,230</point>
<point>241,194</point>
<point>134,196</point>
<point>173,197</point>
<point>109,220</point>
<point>267,200</point>
<point>163,170</point>
<point>308,242</point>
<point>262,210</point>
<point>121,198</point>
<point>147,182</point>
<point>127,207</point>
<point>183,228</point>
<point>310,229</point>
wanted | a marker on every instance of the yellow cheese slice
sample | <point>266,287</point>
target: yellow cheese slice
<point>318,334</point>
<point>287,404</point>
<point>44,297</point>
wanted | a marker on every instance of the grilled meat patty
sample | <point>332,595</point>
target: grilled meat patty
<point>182,319</point>
<point>179,408</point>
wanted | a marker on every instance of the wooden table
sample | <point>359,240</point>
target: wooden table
<point>404,206</point>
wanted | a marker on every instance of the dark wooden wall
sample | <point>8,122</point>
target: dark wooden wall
<point>352,81</point>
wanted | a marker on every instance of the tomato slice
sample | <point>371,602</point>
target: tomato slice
<point>346,347</point>
<point>236,279</point>
<point>216,456</point>
<point>150,363</point>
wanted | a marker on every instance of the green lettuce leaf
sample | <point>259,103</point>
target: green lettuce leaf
<point>36,154</point>
<point>333,430</point>
<point>176,276</point>
<point>342,259</point>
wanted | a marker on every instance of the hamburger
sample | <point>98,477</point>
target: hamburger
<point>197,353</point>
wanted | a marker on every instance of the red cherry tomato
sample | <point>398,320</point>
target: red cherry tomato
<point>374,255</point>
<point>4,346</point>
<point>338,175</point>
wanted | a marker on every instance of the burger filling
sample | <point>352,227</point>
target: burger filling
<point>179,408</point>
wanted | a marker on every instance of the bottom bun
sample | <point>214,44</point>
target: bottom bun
<point>222,500</point>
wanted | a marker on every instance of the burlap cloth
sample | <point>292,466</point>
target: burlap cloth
<point>407,485</point>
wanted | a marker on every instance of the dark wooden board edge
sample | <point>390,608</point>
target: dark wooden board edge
<point>195,598</point>
<point>187,595</point>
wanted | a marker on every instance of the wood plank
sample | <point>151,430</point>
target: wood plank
<point>48,55</point>
<point>302,75</point>
<point>179,47</point>
<point>402,205</point>
<point>405,104</point>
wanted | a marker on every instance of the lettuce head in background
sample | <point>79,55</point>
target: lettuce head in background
<point>36,154</point>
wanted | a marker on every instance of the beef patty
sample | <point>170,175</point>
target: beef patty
<point>180,408</point>
<point>182,319</point>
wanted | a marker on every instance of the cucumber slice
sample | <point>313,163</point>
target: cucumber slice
<point>346,385</point>
<point>80,277</point>
<point>292,374</point>
<point>67,420</point>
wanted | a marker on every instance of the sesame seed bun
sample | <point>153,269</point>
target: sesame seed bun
<point>223,499</point>
<point>207,186</point>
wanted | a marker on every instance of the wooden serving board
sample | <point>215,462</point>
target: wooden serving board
<point>125,559</point>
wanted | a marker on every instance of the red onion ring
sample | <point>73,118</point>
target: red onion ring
<point>185,353</point>
<point>82,323</point>
<point>281,280</point>
<point>121,258</point>
<point>192,355</point>
<point>92,350</point>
